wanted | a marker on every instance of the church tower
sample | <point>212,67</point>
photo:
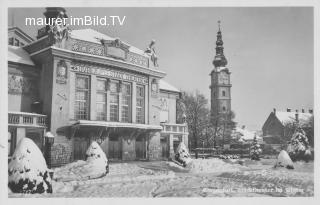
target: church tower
<point>220,83</point>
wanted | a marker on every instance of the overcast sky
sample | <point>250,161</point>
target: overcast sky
<point>269,50</point>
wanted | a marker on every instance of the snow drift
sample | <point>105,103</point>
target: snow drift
<point>182,155</point>
<point>28,172</point>
<point>284,160</point>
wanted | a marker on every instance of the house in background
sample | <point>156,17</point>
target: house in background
<point>275,129</point>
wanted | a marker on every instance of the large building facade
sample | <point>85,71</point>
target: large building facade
<point>84,86</point>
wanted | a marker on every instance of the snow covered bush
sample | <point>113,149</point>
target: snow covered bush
<point>284,160</point>
<point>97,158</point>
<point>27,171</point>
<point>255,149</point>
<point>182,155</point>
<point>298,148</point>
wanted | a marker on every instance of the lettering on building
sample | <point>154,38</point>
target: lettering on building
<point>109,73</point>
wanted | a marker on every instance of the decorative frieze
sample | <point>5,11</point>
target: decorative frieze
<point>137,59</point>
<point>86,47</point>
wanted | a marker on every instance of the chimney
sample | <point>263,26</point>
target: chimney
<point>288,109</point>
<point>297,116</point>
<point>311,111</point>
<point>302,110</point>
<point>274,110</point>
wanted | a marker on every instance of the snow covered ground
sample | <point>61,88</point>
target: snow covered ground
<point>204,178</point>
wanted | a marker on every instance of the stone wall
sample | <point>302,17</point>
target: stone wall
<point>60,154</point>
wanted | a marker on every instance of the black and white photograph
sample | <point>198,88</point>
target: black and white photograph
<point>149,101</point>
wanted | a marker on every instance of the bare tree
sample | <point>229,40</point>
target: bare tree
<point>196,112</point>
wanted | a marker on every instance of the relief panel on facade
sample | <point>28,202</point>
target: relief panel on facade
<point>21,85</point>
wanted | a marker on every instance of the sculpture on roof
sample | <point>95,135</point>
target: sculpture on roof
<point>60,31</point>
<point>152,53</point>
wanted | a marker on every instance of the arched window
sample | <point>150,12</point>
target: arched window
<point>224,108</point>
<point>223,93</point>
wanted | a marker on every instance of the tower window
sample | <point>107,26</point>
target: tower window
<point>223,93</point>
<point>224,108</point>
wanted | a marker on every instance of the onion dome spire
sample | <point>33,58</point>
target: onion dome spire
<point>219,60</point>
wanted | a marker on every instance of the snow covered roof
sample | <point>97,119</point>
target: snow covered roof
<point>166,86</point>
<point>285,117</point>
<point>246,135</point>
<point>19,55</point>
<point>94,36</point>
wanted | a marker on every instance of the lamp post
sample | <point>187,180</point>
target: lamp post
<point>49,140</point>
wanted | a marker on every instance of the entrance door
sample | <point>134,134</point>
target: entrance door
<point>81,145</point>
<point>114,151</point>
<point>140,147</point>
<point>164,147</point>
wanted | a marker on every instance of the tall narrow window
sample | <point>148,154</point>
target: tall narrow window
<point>81,106</point>
<point>140,105</point>
<point>16,42</point>
<point>126,103</point>
<point>101,103</point>
<point>11,41</point>
<point>223,93</point>
<point>114,101</point>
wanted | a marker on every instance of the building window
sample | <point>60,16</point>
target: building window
<point>11,41</point>
<point>101,103</point>
<point>21,44</point>
<point>126,103</point>
<point>223,93</point>
<point>224,108</point>
<point>140,105</point>
<point>114,101</point>
<point>82,97</point>
<point>16,42</point>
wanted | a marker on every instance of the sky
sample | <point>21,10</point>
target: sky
<point>269,50</point>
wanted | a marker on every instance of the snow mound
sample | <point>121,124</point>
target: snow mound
<point>212,166</point>
<point>95,166</point>
<point>28,172</point>
<point>284,160</point>
<point>182,155</point>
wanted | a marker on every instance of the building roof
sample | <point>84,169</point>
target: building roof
<point>19,55</point>
<point>94,36</point>
<point>286,117</point>
<point>163,85</point>
<point>21,32</point>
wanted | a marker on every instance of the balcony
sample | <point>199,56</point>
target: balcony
<point>25,119</point>
<point>174,128</point>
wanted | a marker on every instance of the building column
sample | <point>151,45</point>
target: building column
<point>171,150</point>
<point>21,133</point>
<point>146,105</point>
<point>134,102</point>
<point>108,105</point>
<point>72,84</point>
<point>120,101</point>
<point>93,93</point>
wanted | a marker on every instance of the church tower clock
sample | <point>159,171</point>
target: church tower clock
<point>220,83</point>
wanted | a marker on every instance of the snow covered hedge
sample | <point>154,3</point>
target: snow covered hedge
<point>182,155</point>
<point>298,148</point>
<point>255,149</point>
<point>284,160</point>
<point>27,171</point>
